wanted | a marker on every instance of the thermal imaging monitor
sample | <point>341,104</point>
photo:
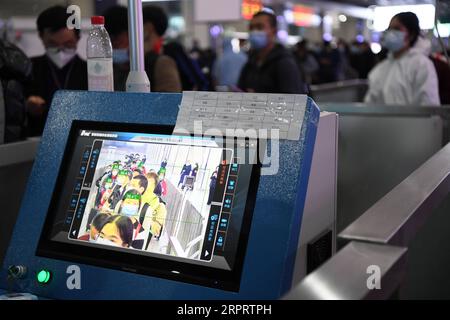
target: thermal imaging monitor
<point>139,199</point>
<point>139,209</point>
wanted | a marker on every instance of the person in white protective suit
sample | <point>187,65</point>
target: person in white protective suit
<point>407,77</point>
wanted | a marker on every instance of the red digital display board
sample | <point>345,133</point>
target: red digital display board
<point>303,16</point>
<point>250,7</point>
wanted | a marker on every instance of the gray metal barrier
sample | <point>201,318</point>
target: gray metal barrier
<point>379,146</point>
<point>181,211</point>
<point>379,238</point>
<point>399,214</point>
<point>346,275</point>
<point>342,91</point>
<point>2,115</point>
<point>415,214</point>
<point>16,161</point>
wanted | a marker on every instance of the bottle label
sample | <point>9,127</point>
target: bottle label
<point>100,74</point>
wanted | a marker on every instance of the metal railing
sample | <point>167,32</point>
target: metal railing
<point>396,217</point>
<point>19,152</point>
<point>380,146</point>
<point>380,237</point>
<point>16,160</point>
<point>346,276</point>
<point>183,223</point>
<point>342,91</point>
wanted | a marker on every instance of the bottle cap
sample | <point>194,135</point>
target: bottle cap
<point>96,20</point>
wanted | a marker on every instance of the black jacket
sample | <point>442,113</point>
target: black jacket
<point>47,79</point>
<point>277,74</point>
<point>15,70</point>
<point>121,71</point>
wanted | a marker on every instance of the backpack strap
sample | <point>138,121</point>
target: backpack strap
<point>161,201</point>
<point>143,212</point>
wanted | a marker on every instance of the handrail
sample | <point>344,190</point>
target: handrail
<point>18,152</point>
<point>396,217</point>
<point>352,273</point>
<point>380,238</point>
<point>358,108</point>
<point>340,84</point>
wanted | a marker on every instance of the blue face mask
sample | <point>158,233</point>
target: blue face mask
<point>129,210</point>
<point>393,40</point>
<point>258,40</point>
<point>121,56</point>
<point>314,48</point>
<point>355,50</point>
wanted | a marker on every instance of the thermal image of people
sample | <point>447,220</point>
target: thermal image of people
<point>119,189</point>
<point>130,204</point>
<point>185,171</point>
<point>161,188</point>
<point>163,165</point>
<point>138,185</point>
<point>154,207</point>
<point>212,186</point>
<point>194,174</point>
<point>130,207</point>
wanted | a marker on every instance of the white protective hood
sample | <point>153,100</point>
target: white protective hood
<point>410,80</point>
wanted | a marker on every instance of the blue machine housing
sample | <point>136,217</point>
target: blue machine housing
<point>272,245</point>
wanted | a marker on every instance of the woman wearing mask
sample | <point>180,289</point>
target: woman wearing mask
<point>117,232</point>
<point>407,76</point>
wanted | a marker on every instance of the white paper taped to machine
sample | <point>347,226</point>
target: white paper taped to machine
<point>234,113</point>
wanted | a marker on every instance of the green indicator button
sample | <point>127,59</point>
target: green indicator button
<point>43,276</point>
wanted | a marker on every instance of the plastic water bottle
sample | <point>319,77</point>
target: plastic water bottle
<point>99,57</point>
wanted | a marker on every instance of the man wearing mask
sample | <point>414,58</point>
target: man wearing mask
<point>329,63</point>
<point>228,66</point>
<point>161,70</point>
<point>59,68</point>
<point>362,58</point>
<point>116,23</point>
<point>271,67</point>
<point>307,63</point>
<point>119,190</point>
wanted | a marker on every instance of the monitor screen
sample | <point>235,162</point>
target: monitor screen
<point>180,206</point>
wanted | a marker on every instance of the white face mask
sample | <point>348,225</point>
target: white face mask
<point>60,57</point>
<point>105,242</point>
<point>393,40</point>
<point>130,210</point>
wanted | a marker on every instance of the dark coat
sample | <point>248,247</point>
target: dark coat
<point>72,77</point>
<point>443,73</point>
<point>15,71</point>
<point>277,74</point>
<point>186,170</point>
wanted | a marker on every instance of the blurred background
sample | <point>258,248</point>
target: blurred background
<point>202,23</point>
